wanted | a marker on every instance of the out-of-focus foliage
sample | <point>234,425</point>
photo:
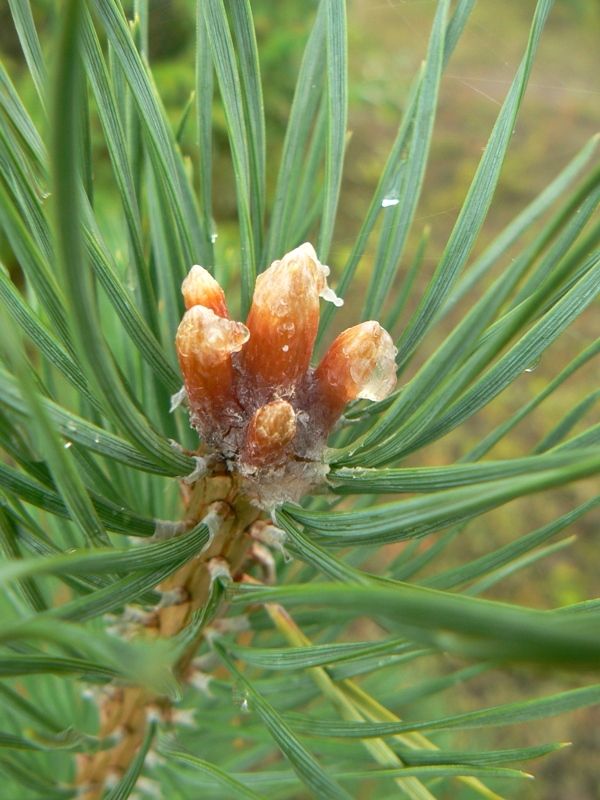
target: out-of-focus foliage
<point>385,674</point>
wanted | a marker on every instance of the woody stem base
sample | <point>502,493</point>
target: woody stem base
<point>124,710</point>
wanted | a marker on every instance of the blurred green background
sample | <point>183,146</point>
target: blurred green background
<point>561,110</point>
<point>387,41</point>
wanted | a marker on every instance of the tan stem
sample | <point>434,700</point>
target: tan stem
<point>124,709</point>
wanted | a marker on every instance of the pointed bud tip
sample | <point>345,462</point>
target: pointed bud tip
<point>297,271</point>
<point>199,288</point>
<point>306,255</point>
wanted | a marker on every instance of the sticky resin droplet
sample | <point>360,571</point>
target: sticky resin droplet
<point>360,363</point>
<point>199,288</point>
<point>284,319</point>
<point>240,698</point>
<point>534,365</point>
<point>331,297</point>
<point>270,431</point>
<point>204,344</point>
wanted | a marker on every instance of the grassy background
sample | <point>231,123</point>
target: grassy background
<point>561,111</point>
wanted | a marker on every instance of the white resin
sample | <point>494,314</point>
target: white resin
<point>177,399</point>
<point>199,470</point>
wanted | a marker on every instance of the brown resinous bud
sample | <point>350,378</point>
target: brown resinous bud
<point>359,364</point>
<point>252,393</point>
<point>284,319</point>
<point>205,343</point>
<point>270,431</point>
<point>199,288</point>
